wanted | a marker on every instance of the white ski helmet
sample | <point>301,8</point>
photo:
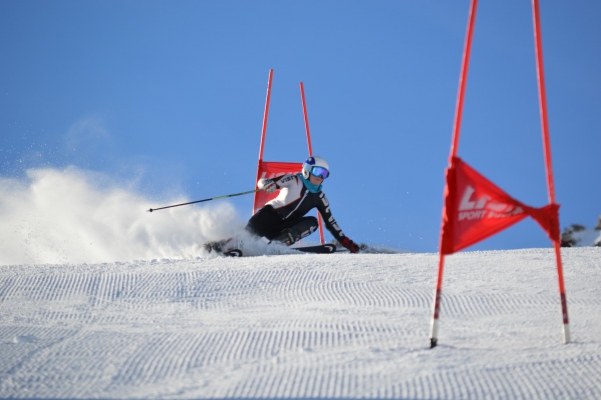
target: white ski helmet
<point>312,162</point>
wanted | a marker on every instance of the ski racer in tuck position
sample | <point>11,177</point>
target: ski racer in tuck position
<point>283,218</point>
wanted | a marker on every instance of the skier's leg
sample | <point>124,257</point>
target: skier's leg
<point>295,230</point>
<point>266,222</point>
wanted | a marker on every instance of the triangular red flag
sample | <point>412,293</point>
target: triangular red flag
<point>475,209</point>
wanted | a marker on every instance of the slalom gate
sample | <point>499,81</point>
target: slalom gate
<point>272,169</point>
<point>475,208</point>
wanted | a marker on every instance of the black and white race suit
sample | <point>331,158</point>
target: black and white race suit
<point>288,210</point>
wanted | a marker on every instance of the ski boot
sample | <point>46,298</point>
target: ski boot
<point>228,247</point>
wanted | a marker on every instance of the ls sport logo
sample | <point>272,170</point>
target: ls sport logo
<point>474,207</point>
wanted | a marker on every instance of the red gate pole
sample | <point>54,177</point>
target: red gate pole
<point>463,79</point>
<point>548,163</point>
<point>263,131</point>
<point>454,146</point>
<point>306,116</point>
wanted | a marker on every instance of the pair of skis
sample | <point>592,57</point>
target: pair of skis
<point>320,249</point>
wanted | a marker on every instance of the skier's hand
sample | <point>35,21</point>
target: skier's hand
<point>267,185</point>
<point>349,244</point>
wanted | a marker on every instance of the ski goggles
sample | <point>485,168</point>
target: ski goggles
<point>320,172</point>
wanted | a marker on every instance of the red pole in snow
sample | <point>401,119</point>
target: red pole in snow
<point>263,131</point>
<point>542,95</point>
<point>306,116</point>
<point>454,147</point>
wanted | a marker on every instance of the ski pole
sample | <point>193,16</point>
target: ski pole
<point>200,201</point>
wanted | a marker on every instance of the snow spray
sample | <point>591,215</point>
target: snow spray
<point>74,216</point>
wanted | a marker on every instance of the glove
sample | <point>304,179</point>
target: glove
<point>349,244</point>
<point>267,185</point>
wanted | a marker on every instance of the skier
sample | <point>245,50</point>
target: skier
<point>283,218</point>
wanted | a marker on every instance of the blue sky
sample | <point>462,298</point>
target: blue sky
<point>171,95</point>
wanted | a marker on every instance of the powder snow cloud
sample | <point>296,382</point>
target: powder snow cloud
<point>76,216</point>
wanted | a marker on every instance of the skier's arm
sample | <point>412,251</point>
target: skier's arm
<point>271,185</point>
<point>332,226</point>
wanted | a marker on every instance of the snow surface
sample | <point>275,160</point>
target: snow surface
<point>303,326</point>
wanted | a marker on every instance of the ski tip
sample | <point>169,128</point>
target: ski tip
<point>330,247</point>
<point>320,249</point>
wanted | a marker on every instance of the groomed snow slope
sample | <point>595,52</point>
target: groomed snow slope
<point>303,326</point>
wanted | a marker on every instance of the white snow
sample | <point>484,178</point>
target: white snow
<point>303,326</point>
<point>75,216</point>
<point>100,299</point>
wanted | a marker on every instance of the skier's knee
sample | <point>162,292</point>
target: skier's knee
<point>305,227</point>
<point>312,221</point>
